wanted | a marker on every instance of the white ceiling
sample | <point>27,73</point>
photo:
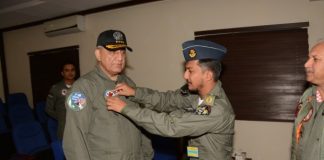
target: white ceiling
<point>19,12</point>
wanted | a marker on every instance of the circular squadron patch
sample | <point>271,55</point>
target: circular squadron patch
<point>77,101</point>
<point>64,91</point>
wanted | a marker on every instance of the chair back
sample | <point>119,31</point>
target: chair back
<point>17,98</point>
<point>57,150</point>
<point>41,115</point>
<point>3,109</point>
<point>29,138</point>
<point>20,114</point>
<point>52,127</point>
<point>3,125</point>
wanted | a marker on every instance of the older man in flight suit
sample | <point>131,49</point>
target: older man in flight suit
<point>205,114</point>
<point>91,131</point>
<point>308,131</point>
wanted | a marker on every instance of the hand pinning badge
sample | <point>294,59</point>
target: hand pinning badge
<point>111,101</point>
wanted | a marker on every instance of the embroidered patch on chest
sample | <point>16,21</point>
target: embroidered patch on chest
<point>63,92</point>
<point>203,110</point>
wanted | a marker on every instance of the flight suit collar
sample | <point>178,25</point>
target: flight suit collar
<point>99,71</point>
<point>216,91</point>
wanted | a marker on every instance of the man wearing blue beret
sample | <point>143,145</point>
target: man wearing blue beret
<point>202,112</point>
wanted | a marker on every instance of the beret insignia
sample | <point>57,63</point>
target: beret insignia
<point>192,53</point>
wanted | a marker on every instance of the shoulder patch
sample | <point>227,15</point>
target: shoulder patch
<point>309,115</point>
<point>77,101</point>
<point>299,106</point>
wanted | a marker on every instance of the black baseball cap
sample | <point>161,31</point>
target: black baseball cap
<point>113,40</point>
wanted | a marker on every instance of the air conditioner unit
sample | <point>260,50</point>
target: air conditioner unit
<point>65,25</point>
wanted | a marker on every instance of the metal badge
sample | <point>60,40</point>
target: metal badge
<point>77,101</point>
<point>209,100</point>
<point>192,53</point>
<point>110,93</point>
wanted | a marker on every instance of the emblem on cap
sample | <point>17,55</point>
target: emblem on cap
<point>118,37</point>
<point>192,53</point>
<point>76,101</point>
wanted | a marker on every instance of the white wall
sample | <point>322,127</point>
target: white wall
<point>155,31</point>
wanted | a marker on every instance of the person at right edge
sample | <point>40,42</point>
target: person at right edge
<point>203,112</point>
<point>91,131</point>
<point>308,137</point>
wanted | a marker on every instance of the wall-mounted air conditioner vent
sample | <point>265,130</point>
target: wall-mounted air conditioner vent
<point>65,25</point>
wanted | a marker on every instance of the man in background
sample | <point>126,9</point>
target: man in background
<point>308,130</point>
<point>55,102</point>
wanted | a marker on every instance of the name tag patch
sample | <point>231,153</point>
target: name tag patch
<point>192,152</point>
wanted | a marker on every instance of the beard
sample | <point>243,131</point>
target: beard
<point>195,88</point>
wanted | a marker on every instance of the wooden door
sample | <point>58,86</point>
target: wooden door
<point>45,68</point>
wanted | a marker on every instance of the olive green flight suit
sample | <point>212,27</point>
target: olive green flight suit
<point>309,125</point>
<point>55,105</point>
<point>93,132</point>
<point>211,133</point>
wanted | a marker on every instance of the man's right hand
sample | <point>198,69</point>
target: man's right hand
<point>124,90</point>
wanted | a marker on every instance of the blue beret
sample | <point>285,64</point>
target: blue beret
<point>202,49</point>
